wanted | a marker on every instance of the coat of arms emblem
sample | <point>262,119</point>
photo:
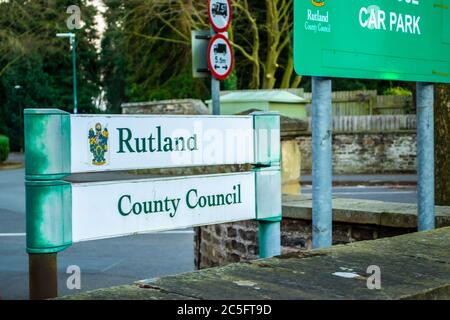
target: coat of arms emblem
<point>318,3</point>
<point>98,142</point>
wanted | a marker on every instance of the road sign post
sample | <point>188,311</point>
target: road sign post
<point>386,40</point>
<point>59,213</point>
<point>215,85</point>
<point>425,156</point>
<point>43,276</point>
<point>219,55</point>
<point>322,216</point>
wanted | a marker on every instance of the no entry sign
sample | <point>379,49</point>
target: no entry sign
<point>219,14</point>
<point>373,39</point>
<point>220,57</point>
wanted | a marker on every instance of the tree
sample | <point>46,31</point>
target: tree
<point>33,59</point>
<point>160,30</point>
<point>113,57</point>
<point>442,150</point>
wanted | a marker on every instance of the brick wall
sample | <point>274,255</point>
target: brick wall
<point>219,245</point>
<point>366,152</point>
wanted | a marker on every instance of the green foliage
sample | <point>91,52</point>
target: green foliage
<point>36,66</point>
<point>231,83</point>
<point>113,57</point>
<point>4,148</point>
<point>397,91</point>
<point>147,54</point>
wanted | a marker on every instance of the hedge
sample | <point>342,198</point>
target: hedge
<point>4,148</point>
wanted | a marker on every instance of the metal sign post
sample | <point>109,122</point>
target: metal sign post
<point>215,88</point>
<point>322,216</point>
<point>219,13</point>
<point>43,279</point>
<point>386,40</point>
<point>425,156</point>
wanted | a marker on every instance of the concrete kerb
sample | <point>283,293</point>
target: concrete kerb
<point>368,212</point>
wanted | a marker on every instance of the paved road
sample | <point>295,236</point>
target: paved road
<point>103,263</point>
<point>368,179</point>
<point>401,194</point>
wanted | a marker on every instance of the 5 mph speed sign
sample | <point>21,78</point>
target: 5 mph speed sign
<point>219,14</point>
<point>220,57</point>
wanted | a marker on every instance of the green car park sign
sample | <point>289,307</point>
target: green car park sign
<point>407,40</point>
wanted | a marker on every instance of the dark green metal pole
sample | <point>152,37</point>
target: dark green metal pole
<point>43,276</point>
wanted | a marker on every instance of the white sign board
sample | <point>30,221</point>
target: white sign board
<point>112,143</point>
<point>199,47</point>
<point>220,57</point>
<point>112,209</point>
<point>219,12</point>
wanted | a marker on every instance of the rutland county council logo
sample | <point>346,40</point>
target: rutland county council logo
<point>98,143</point>
<point>318,3</point>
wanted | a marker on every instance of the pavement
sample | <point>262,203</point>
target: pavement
<point>16,157</point>
<point>15,161</point>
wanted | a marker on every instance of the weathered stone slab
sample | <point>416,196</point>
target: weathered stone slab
<point>380,213</point>
<point>127,292</point>
<point>413,266</point>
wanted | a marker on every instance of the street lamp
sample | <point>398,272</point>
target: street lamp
<point>18,90</point>
<point>71,37</point>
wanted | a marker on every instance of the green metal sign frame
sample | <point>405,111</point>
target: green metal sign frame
<point>407,40</point>
<point>50,213</point>
<point>49,198</point>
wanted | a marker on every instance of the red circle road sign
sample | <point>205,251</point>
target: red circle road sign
<point>220,14</point>
<point>220,57</point>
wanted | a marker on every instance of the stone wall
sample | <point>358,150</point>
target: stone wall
<point>368,144</point>
<point>219,245</point>
<point>353,220</point>
<point>174,107</point>
<point>367,152</point>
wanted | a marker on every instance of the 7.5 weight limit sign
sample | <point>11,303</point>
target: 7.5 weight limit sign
<point>219,12</point>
